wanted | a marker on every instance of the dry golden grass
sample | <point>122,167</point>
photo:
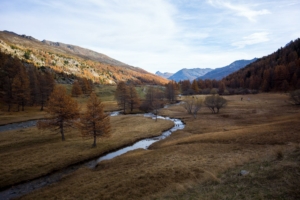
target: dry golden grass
<point>203,160</point>
<point>30,113</point>
<point>30,153</point>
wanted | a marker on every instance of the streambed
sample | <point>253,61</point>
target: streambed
<point>38,183</point>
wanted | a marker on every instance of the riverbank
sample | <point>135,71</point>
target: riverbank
<point>29,153</point>
<point>259,136</point>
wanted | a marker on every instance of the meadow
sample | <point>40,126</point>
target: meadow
<point>260,135</point>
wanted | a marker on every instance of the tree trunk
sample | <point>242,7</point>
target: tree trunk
<point>94,144</point>
<point>62,131</point>
<point>95,136</point>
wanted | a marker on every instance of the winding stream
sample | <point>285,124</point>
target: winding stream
<point>25,188</point>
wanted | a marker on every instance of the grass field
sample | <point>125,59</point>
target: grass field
<point>260,134</point>
<point>203,161</point>
<point>29,153</point>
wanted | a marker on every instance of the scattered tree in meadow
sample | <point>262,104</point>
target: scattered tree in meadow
<point>192,105</point>
<point>94,122</point>
<point>76,89</point>
<point>122,96</point>
<point>63,110</point>
<point>215,103</point>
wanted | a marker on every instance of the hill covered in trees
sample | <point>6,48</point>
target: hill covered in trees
<point>279,71</point>
<point>72,60</point>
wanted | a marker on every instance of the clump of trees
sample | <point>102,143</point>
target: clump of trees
<point>63,110</point>
<point>22,84</point>
<point>153,100</point>
<point>127,97</point>
<point>94,122</point>
<point>215,103</point>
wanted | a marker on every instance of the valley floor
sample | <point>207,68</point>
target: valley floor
<point>250,150</point>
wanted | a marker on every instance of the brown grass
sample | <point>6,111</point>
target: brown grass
<point>203,160</point>
<point>30,153</point>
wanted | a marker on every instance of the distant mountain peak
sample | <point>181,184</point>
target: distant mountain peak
<point>222,72</point>
<point>164,74</point>
<point>189,74</point>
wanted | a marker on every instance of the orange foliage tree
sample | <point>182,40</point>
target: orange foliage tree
<point>94,122</point>
<point>63,109</point>
<point>20,88</point>
<point>76,89</point>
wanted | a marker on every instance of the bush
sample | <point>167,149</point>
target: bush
<point>215,103</point>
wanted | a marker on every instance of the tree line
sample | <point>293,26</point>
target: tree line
<point>154,96</point>
<point>277,72</point>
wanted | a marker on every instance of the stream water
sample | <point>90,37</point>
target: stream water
<point>25,188</point>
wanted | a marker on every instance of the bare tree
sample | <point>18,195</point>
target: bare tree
<point>192,105</point>
<point>94,122</point>
<point>63,109</point>
<point>215,103</point>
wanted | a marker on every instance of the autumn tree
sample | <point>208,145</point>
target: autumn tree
<point>94,122</point>
<point>133,99</point>
<point>76,89</point>
<point>63,110</point>
<point>153,100</point>
<point>215,103</point>
<point>8,70</point>
<point>122,96</point>
<point>20,88</point>
<point>172,91</point>
<point>195,87</point>
<point>46,85</point>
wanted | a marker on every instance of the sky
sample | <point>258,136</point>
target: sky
<point>160,35</point>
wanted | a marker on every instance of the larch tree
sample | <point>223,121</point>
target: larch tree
<point>133,100</point>
<point>195,87</point>
<point>76,89</point>
<point>172,91</point>
<point>63,110</point>
<point>122,96</point>
<point>153,100</point>
<point>20,88</point>
<point>46,85</point>
<point>94,122</point>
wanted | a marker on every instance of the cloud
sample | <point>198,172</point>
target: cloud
<point>240,10</point>
<point>254,38</point>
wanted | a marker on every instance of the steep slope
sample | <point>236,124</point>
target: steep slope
<point>220,73</point>
<point>189,74</point>
<point>279,71</point>
<point>73,60</point>
<point>164,75</point>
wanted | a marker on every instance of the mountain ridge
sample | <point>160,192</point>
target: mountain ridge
<point>222,72</point>
<point>189,74</point>
<point>74,60</point>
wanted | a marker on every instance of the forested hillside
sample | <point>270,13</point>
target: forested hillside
<point>279,71</point>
